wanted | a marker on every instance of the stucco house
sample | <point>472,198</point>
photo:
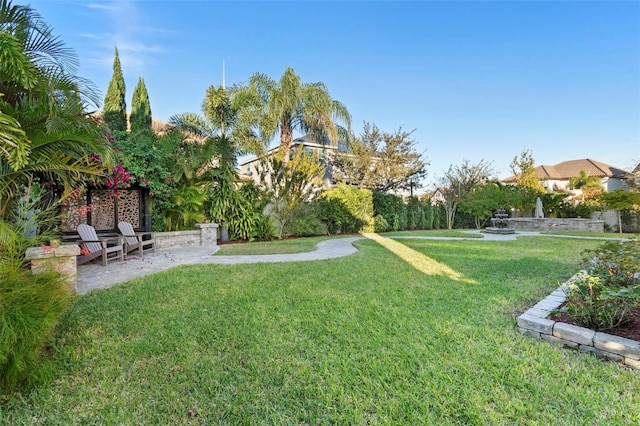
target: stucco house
<point>556,178</point>
<point>249,167</point>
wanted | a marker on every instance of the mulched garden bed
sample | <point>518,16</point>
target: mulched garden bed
<point>630,330</point>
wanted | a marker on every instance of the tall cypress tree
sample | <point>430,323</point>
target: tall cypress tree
<point>140,108</point>
<point>115,106</point>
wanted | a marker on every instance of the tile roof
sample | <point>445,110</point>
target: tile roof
<point>572,168</point>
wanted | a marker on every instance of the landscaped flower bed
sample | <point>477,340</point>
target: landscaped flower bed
<point>597,310</point>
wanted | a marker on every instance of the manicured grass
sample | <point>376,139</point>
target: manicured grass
<point>296,245</point>
<point>432,233</point>
<point>373,338</point>
<point>591,234</point>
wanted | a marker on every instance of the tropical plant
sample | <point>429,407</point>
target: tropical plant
<point>45,131</point>
<point>228,131</point>
<point>115,105</point>
<point>45,136</point>
<point>186,208</point>
<point>288,105</point>
<point>290,185</point>
<point>583,179</point>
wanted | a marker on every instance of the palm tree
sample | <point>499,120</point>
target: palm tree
<point>33,60</point>
<point>578,182</point>
<point>44,130</point>
<point>288,105</point>
<point>228,128</point>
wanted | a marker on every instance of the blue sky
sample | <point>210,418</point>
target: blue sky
<point>476,80</point>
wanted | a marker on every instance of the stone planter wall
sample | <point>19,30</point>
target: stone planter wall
<point>61,259</point>
<point>536,323</point>
<point>548,224</point>
<point>206,234</point>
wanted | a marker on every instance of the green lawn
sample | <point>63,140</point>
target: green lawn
<point>591,234</point>
<point>300,245</point>
<point>456,233</point>
<point>372,338</point>
<point>296,245</point>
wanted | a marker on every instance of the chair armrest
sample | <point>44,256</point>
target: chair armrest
<point>151,233</point>
<point>113,240</point>
<point>141,235</point>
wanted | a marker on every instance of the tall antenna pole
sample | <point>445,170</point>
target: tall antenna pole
<point>223,74</point>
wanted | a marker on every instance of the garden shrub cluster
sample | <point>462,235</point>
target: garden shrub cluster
<point>604,295</point>
<point>346,209</point>
<point>410,215</point>
<point>30,308</point>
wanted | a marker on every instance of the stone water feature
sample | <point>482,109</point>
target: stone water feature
<point>500,223</point>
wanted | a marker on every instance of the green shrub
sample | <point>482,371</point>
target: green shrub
<point>380,224</point>
<point>30,308</point>
<point>392,208</point>
<point>346,209</point>
<point>604,296</point>
<point>616,263</point>
<point>264,229</point>
<point>307,224</point>
<point>593,305</point>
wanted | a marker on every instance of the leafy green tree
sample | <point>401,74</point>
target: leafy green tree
<point>459,181</point>
<point>288,104</point>
<point>621,200</point>
<point>527,182</point>
<point>115,106</point>
<point>380,161</point>
<point>484,200</point>
<point>392,208</point>
<point>524,169</point>
<point>140,108</point>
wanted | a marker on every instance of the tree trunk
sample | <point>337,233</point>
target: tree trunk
<point>286,142</point>
<point>619,222</point>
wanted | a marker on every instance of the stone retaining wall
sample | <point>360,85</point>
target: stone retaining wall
<point>549,224</point>
<point>535,323</point>
<point>206,234</point>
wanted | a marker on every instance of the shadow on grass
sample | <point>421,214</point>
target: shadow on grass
<point>418,260</point>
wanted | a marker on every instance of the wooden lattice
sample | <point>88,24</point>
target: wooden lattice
<point>101,212</point>
<point>129,207</point>
<point>74,212</point>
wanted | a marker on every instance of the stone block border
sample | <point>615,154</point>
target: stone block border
<point>535,323</point>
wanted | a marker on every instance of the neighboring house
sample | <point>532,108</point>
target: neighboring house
<point>311,147</point>
<point>308,144</point>
<point>437,196</point>
<point>556,178</point>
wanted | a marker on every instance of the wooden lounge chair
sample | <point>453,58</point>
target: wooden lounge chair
<point>108,247</point>
<point>136,240</point>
